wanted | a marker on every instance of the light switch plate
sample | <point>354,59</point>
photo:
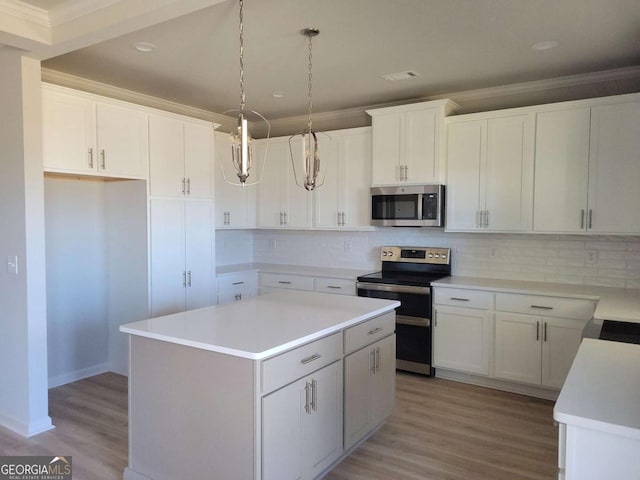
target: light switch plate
<point>12,264</point>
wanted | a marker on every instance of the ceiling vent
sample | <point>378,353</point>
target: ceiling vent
<point>394,77</point>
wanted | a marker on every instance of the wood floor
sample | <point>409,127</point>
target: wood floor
<point>440,430</point>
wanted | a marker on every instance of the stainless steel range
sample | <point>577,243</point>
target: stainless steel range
<point>406,276</point>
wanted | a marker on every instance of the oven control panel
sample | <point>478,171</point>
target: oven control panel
<point>436,255</point>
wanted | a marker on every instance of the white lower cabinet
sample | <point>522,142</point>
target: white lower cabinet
<point>462,339</point>
<point>302,426</point>
<point>369,396</point>
<point>237,286</point>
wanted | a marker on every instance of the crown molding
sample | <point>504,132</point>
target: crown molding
<point>25,11</point>
<point>70,10</point>
<point>91,86</point>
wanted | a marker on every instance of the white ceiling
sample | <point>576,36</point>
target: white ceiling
<point>455,45</point>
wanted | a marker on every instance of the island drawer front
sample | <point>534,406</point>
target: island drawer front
<point>237,280</point>
<point>369,332</point>
<point>295,282</point>
<point>461,297</point>
<point>335,285</point>
<point>545,306</point>
<point>288,367</point>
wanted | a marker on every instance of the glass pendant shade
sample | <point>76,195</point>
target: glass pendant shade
<point>241,149</point>
<point>305,148</point>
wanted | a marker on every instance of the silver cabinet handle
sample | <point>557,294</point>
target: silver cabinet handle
<point>590,219</point>
<point>91,158</point>
<point>334,287</point>
<point>486,218</point>
<point>286,218</point>
<point>310,359</point>
<point>237,283</point>
<point>541,307</point>
<point>284,282</point>
<point>184,185</point>
<point>314,395</point>
<point>458,299</point>
<point>184,279</point>
<point>306,397</point>
<point>406,172</point>
<point>372,357</point>
<point>582,219</point>
<point>281,217</point>
<point>537,330</point>
<point>374,331</point>
<point>189,278</point>
<point>477,218</point>
<point>237,297</point>
<point>544,333</point>
<point>188,186</point>
<point>377,359</point>
<point>103,161</point>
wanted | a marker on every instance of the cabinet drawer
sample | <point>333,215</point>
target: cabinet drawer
<point>546,306</point>
<point>368,332</point>
<point>295,282</point>
<point>287,367</point>
<point>335,285</point>
<point>460,297</point>
<point>235,281</point>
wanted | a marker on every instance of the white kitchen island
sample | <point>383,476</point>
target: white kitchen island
<point>599,413</point>
<point>278,387</point>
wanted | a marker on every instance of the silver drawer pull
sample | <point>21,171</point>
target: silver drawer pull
<point>283,282</point>
<point>541,307</point>
<point>334,286</point>
<point>374,331</point>
<point>237,283</point>
<point>460,299</point>
<point>310,359</point>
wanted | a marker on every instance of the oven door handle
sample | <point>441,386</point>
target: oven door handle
<point>413,321</point>
<point>386,287</point>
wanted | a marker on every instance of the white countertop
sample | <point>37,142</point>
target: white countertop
<point>602,390</point>
<point>345,273</point>
<point>263,326</point>
<point>613,303</point>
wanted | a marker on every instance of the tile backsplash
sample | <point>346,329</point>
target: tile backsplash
<point>591,260</point>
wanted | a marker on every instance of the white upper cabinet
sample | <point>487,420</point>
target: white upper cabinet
<point>181,157</point>
<point>281,203</point>
<point>235,205</point>
<point>343,201</point>
<point>614,168</point>
<point>490,173</point>
<point>408,143</point>
<point>561,170</point>
<point>92,135</point>
<point>587,173</point>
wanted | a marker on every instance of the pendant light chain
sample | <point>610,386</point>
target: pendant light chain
<point>242,97</point>
<point>310,82</point>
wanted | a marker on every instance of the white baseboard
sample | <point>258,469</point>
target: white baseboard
<point>27,429</point>
<point>78,375</point>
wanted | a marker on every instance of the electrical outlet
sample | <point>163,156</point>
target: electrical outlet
<point>346,246</point>
<point>272,243</point>
<point>592,257</point>
<point>492,252</point>
<point>12,264</point>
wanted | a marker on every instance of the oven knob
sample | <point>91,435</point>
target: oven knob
<point>384,254</point>
<point>444,255</point>
<point>437,255</point>
<point>431,255</point>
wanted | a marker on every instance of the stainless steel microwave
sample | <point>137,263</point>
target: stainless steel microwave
<point>410,206</point>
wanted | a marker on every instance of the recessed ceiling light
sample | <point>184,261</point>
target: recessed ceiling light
<point>544,45</point>
<point>145,47</point>
<point>394,77</point>
<point>277,94</point>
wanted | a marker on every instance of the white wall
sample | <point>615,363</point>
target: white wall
<point>23,323</point>
<point>591,260</point>
<point>76,236</point>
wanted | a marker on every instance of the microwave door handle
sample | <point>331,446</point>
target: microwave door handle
<point>420,204</point>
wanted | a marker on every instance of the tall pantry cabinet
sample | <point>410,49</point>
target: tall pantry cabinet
<point>181,214</point>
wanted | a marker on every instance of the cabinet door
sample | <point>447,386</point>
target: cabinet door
<point>614,169</point>
<point>297,201</point>
<point>387,144</point>
<point>199,253</point>
<point>327,198</point>
<point>420,153</point>
<point>517,347</point>
<point>123,144</point>
<point>68,133</point>
<point>358,405</point>
<point>462,339</point>
<point>198,160</point>
<point>166,157</point>
<point>561,340</point>
<point>167,256</point>
<point>561,170</point>
<point>235,205</point>
<point>270,207</point>
<point>508,174</point>
<point>354,153</point>
<point>383,394</point>
<point>465,154</point>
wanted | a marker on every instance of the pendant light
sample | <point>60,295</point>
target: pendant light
<point>307,173</point>
<point>241,143</point>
